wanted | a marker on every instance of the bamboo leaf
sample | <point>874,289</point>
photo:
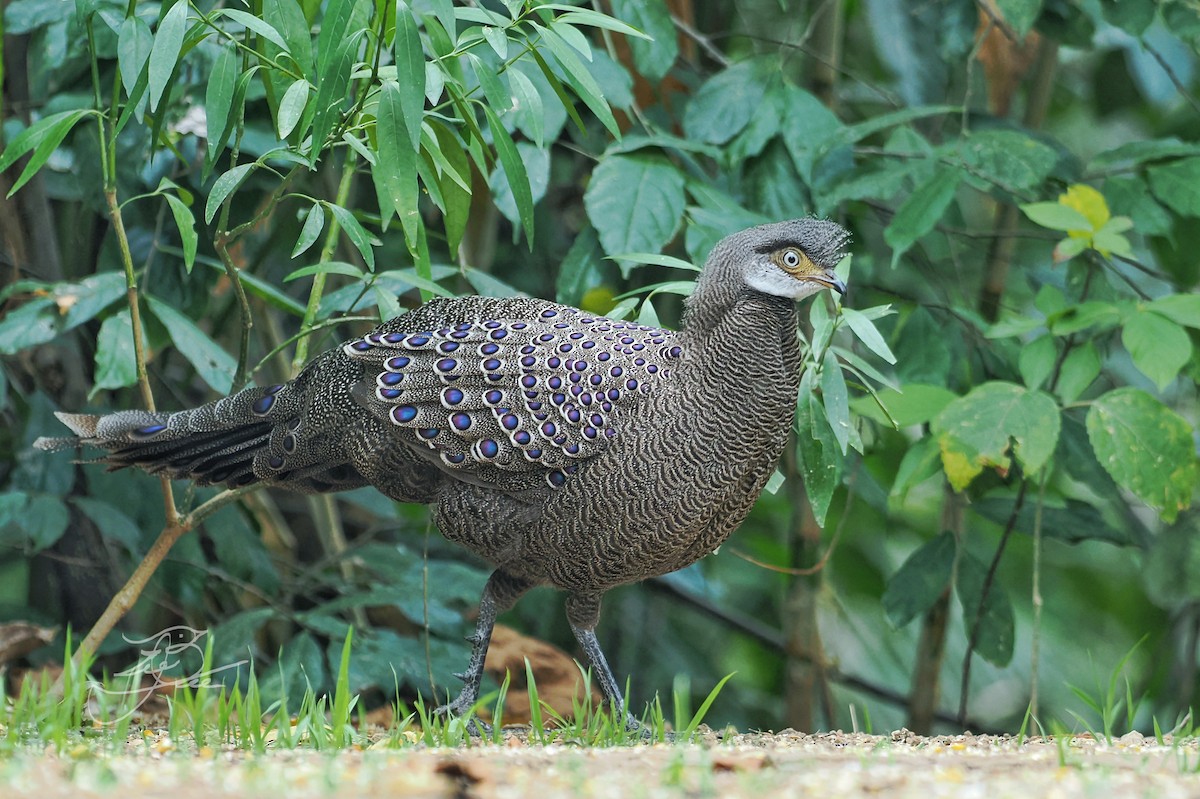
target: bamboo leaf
<point>514,170</point>
<point>396,171</point>
<point>314,223</point>
<point>164,53</point>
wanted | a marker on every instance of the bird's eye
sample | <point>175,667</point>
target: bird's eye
<point>791,258</point>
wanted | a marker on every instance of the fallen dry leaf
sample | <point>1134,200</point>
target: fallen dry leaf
<point>19,638</point>
<point>559,681</point>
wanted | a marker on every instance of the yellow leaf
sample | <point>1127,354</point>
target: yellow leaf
<point>1090,203</point>
<point>960,467</point>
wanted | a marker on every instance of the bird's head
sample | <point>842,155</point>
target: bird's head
<point>790,259</point>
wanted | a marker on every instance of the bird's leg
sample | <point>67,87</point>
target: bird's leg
<point>583,612</point>
<point>500,593</point>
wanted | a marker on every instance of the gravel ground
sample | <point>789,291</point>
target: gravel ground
<point>785,764</point>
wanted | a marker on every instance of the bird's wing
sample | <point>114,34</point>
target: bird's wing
<point>488,387</point>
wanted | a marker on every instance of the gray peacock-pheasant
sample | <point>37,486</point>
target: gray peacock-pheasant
<point>565,448</point>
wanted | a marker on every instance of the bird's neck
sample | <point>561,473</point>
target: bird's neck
<point>744,357</point>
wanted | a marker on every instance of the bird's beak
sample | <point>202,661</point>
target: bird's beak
<point>832,281</point>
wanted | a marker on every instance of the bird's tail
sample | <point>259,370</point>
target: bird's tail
<point>215,443</point>
<point>294,435</point>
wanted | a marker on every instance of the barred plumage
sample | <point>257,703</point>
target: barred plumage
<point>566,448</point>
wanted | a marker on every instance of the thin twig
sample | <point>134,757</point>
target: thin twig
<point>125,599</point>
<point>699,38</point>
<point>1174,78</point>
<point>998,21</point>
<point>973,640</point>
<point>824,559</point>
<point>1036,595</point>
<point>317,290</point>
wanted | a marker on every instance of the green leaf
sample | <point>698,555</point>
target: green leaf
<point>225,185</point>
<point>921,462</point>
<point>112,523</point>
<point>919,581</point>
<point>164,53</point>
<point>218,100</point>
<point>336,50</point>
<point>917,403</point>
<point>654,259</point>
<point>1013,159</point>
<point>44,521</point>
<point>725,103</point>
<point>635,202</point>
<point>43,137</point>
<point>1056,216</point>
<point>1020,14</point>
<point>495,92</point>
<point>489,285</point>
<point>314,223</point>
<point>1079,369</point>
<point>83,300</point>
<point>594,19</point>
<point>35,322</point>
<point>291,108</point>
<point>401,279</point>
<point>497,39</point>
<point>215,366</point>
<point>527,106</point>
<point>514,170</point>
<point>920,212</point>
<point>1158,346</point>
<point>1072,522</point>
<point>455,194</point>
<point>537,169</point>
<point>1181,308</point>
<point>579,77</point>
<point>134,43</point>
<point>287,17</point>
<point>1171,573</point>
<point>809,126</point>
<point>1129,196</point>
<point>1074,318</point>
<point>1146,447</point>
<point>852,133</point>
<point>186,223</point>
<point>259,26</point>
<point>1177,185</point>
<point>362,240</point>
<point>580,269</point>
<point>655,58</point>
<point>974,431</point>
<point>410,72</point>
<point>837,402</point>
<point>996,626</point>
<point>1136,153</point>
<point>864,329</point>
<point>327,268</point>
<point>817,455</point>
<point>115,363</point>
<point>396,171</point>
<point>1036,361</point>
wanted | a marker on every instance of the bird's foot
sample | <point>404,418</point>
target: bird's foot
<point>463,707</point>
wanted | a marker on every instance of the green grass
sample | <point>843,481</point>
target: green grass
<point>85,716</point>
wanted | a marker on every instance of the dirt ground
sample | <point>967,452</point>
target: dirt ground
<point>785,764</point>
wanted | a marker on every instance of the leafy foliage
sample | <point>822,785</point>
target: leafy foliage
<point>229,190</point>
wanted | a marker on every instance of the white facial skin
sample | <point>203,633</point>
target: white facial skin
<point>788,272</point>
